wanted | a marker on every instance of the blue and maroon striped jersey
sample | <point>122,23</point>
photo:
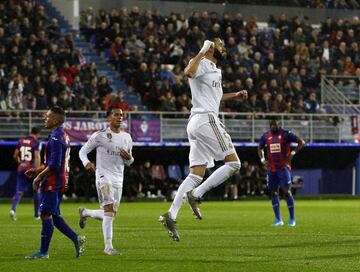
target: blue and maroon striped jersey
<point>278,147</point>
<point>57,157</point>
<point>27,147</point>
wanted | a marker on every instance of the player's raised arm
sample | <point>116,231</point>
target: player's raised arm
<point>90,145</point>
<point>243,94</point>
<point>191,69</point>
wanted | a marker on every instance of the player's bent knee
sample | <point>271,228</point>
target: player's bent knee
<point>45,216</point>
<point>234,165</point>
<point>196,179</point>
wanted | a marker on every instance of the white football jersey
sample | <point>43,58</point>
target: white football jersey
<point>206,88</point>
<point>109,163</point>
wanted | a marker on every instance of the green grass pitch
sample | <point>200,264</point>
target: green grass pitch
<point>233,236</point>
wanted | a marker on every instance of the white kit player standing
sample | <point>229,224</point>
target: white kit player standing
<point>207,136</point>
<point>113,151</point>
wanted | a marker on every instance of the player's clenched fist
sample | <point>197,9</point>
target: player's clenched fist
<point>90,167</point>
<point>207,45</point>
<point>125,155</point>
<point>242,94</point>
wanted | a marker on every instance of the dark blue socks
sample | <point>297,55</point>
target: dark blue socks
<point>290,203</point>
<point>15,200</point>
<point>46,234</point>
<point>62,226</point>
<point>276,206</point>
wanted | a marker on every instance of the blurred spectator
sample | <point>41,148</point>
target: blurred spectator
<point>29,102</point>
<point>146,179</point>
<point>168,102</point>
<point>158,175</point>
<point>41,99</point>
<point>311,104</point>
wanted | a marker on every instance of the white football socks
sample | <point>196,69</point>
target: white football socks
<point>219,176</point>
<point>107,227</point>
<point>97,214</point>
<point>189,183</point>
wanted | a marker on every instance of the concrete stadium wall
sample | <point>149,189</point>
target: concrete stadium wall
<point>70,10</point>
<point>165,7</point>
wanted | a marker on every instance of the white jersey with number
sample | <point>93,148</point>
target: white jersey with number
<point>109,163</point>
<point>206,88</point>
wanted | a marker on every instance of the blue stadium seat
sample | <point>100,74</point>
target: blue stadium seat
<point>174,172</point>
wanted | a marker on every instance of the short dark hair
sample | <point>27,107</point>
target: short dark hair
<point>60,112</point>
<point>57,110</point>
<point>35,130</point>
<point>110,109</point>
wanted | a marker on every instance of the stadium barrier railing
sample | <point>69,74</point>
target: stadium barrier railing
<point>169,128</point>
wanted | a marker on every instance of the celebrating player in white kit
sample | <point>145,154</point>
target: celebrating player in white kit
<point>207,136</point>
<point>113,151</point>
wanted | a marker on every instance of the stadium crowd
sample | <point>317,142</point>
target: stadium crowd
<point>40,67</point>
<point>280,65</point>
<point>329,4</point>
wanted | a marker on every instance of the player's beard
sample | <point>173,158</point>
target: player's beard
<point>218,56</point>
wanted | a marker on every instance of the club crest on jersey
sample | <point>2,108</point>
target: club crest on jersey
<point>109,136</point>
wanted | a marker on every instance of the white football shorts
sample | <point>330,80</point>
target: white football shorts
<point>208,140</point>
<point>108,193</point>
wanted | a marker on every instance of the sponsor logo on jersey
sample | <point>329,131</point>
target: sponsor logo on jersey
<point>275,148</point>
<point>216,84</point>
<point>113,153</point>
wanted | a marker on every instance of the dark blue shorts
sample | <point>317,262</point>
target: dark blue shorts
<point>279,179</point>
<point>50,202</point>
<point>23,183</point>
